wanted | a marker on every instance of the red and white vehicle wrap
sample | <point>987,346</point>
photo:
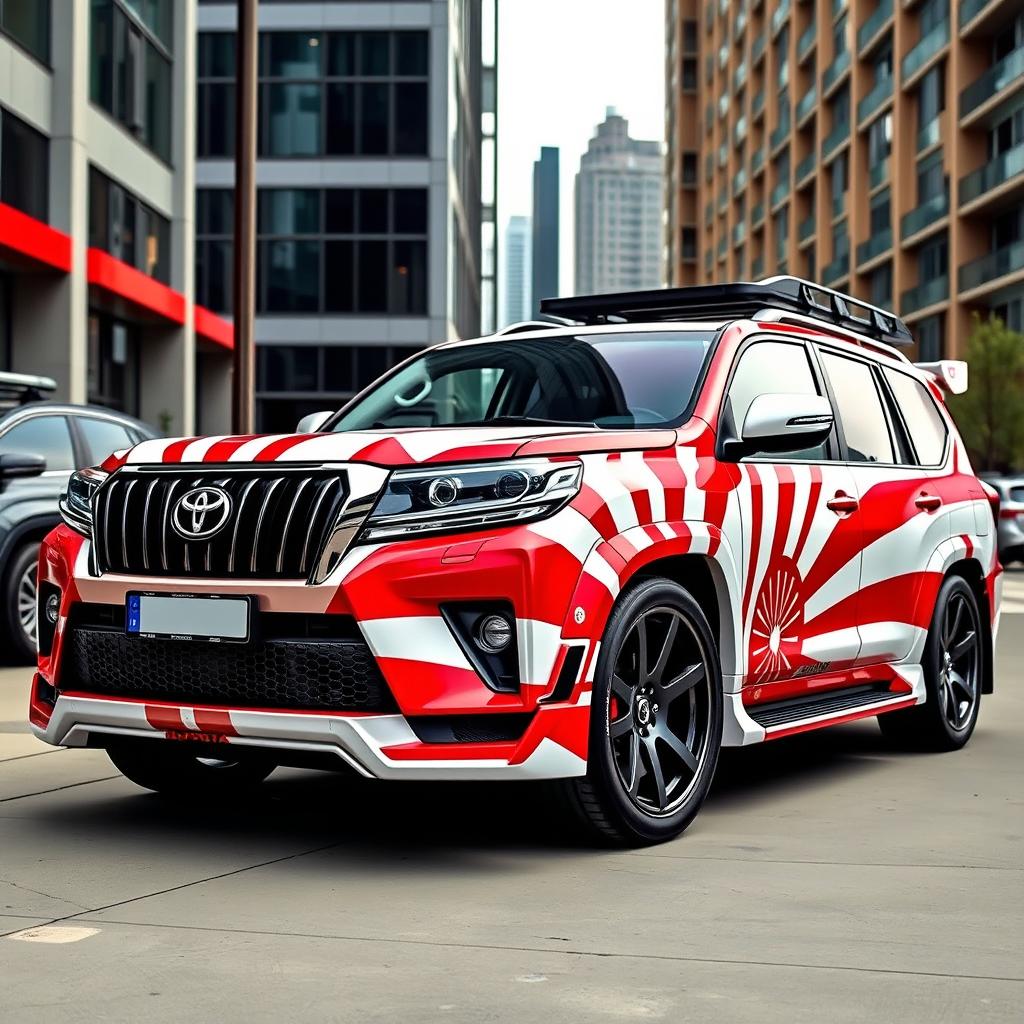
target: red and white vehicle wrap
<point>809,594</point>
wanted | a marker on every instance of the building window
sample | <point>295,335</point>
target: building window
<point>27,22</point>
<point>840,37</point>
<point>128,229</point>
<point>690,74</point>
<point>130,68</point>
<point>782,56</point>
<point>24,167</point>
<point>689,35</point>
<point>931,180</point>
<point>113,371</point>
<point>880,284</point>
<point>839,107</point>
<point>879,140</point>
<point>929,339</point>
<point>933,261</point>
<point>880,212</point>
<point>688,244</point>
<point>334,94</point>
<point>330,251</point>
<point>689,168</point>
<point>931,96</point>
<point>294,380</point>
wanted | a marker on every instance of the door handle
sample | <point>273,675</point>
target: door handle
<point>927,502</point>
<point>843,504</point>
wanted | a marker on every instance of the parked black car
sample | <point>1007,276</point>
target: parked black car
<point>40,444</point>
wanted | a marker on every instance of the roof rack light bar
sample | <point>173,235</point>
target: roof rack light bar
<point>741,300</point>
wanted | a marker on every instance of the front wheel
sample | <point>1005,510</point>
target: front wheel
<point>656,719</point>
<point>176,771</point>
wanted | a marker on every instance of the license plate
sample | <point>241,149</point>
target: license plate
<point>189,617</point>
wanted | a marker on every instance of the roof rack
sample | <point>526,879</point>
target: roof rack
<point>25,387</point>
<point>743,300</point>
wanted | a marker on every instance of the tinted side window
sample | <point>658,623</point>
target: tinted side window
<point>923,420</point>
<point>860,409</point>
<point>47,436</point>
<point>103,437</point>
<point>773,367</point>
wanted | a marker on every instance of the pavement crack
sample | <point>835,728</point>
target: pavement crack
<point>176,888</point>
<point>57,789</point>
<point>49,895</point>
<point>495,947</point>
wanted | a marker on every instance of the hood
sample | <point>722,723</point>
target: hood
<point>406,447</point>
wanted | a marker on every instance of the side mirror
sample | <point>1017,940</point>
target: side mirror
<point>313,422</point>
<point>786,423</point>
<point>14,465</point>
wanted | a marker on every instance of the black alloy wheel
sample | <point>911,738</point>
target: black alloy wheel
<point>656,718</point>
<point>953,667</point>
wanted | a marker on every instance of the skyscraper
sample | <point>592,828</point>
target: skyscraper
<point>369,221</point>
<point>618,211</point>
<point>877,147</point>
<point>545,227</point>
<point>516,305</point>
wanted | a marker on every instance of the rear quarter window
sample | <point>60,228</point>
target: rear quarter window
<point>924,421</point>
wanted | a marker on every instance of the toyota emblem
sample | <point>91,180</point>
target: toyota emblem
<point>201,512</point>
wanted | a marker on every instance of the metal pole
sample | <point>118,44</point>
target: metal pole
<point>244,281</point>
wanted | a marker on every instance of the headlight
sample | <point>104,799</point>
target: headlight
<point>453,498</point>
<point>76,505</point>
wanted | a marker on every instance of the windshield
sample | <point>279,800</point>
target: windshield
<point>614,381</point>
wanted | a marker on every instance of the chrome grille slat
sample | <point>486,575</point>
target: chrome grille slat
<point>145,527</point>
<point>316,508</point>
<point>288,523</point>
<point>259,524</point>
<point>278,522</point>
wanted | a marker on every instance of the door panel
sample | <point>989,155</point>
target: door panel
<point>802,565</point>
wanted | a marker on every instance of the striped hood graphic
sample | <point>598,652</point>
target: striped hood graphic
<point>405,447</point>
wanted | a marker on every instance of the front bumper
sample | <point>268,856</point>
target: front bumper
<point>393,593</point>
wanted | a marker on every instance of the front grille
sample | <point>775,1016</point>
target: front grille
<point>290,667</point>
<point>278,523</point>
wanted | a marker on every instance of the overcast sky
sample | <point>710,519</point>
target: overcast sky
<point>560,64</point>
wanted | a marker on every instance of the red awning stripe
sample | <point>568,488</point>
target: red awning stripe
<point>214,328</point>
<point>29,237</point>
<point>110,274</point>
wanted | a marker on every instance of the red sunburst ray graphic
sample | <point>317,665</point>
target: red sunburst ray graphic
<point>776,627</point>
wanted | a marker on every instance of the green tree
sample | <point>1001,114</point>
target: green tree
<point>990,414</point>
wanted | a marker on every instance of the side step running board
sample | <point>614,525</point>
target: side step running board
<point>784,717</point>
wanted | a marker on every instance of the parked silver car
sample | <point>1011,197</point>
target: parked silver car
<point>1011,516</point>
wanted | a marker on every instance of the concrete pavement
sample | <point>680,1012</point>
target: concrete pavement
<point>829,878</point>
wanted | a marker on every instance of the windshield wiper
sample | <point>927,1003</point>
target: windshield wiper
<point>523,421</point>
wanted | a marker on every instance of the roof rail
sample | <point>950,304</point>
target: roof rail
<point>744,300</point>
<point>781,316</point>
<point>25,387</point>
<point>528,325</point>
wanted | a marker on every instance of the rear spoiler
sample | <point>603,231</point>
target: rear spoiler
<point>949,374</point>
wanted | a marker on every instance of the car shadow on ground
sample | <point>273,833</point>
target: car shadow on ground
<point>445,827</point>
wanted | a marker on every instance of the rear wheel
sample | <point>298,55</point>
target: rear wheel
<point>953,674</point>
<point>19,597</point>
<point>656,719</point>
<point>177,771</point>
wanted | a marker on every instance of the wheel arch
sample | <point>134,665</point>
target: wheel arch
<point>695,555</point>
<point>970,570</point>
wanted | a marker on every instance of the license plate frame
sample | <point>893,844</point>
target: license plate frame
<point>192,614</point>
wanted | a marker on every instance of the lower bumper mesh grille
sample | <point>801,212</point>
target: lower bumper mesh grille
<point>306,674</point>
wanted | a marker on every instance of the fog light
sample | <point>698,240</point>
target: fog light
<point>53,609</point>
<point>494,633</point>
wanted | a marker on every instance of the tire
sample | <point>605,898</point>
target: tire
<point>671,713</point>
<point>177,771</point>
<point>19,601</point>
<point>946,720</point>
